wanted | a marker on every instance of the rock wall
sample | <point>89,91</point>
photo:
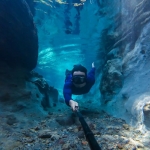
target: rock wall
<point>18,95</point>
<point>18,34</point>
<point>25,93</point>
<point>128,93</point>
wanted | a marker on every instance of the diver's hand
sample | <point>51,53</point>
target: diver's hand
<point>73,105</point>
<point>93,66</point>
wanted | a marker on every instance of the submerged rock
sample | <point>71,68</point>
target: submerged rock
<point>49,92</point>
<point>45,134</point>
<point>66,121</point>
<point>112,79</point>
<point>18,38</point>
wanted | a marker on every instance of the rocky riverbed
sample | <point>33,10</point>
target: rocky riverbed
<point>60,129</point>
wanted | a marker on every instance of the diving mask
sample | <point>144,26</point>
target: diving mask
<point>78,79</point>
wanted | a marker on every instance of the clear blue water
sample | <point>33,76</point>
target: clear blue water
<point>68,35</point>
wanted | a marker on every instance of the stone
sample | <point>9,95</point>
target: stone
<point>64,136</point>
<point>61,141</point>
<point>126,126</point>
<point>26,133</point>
<point>65,146</point>
<point>119,146</point>
<point>37,128</point>
<point>76,130</point>
<point>30,140</point>
<point>45,134</point>
<point>66,121</point>
<point>109,138</point>
<point>84,142</point>
<point>80,134</point>
<point>55,137</point>
<point>70,129</point>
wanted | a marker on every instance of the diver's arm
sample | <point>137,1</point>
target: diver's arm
<point>68,99</point>
<point>67,91</point>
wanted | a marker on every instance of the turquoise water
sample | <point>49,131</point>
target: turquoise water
<point>59,50</point>
<point>70,33</point>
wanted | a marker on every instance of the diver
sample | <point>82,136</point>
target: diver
<point>77,82</point>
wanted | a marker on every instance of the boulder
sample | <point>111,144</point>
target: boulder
<point>50,93</point>
<point>18,34</point>
<point>112,79</point>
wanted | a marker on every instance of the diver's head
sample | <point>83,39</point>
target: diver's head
<point>79,74</point>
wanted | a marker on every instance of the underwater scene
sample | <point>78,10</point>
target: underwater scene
<point>74,75</point>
